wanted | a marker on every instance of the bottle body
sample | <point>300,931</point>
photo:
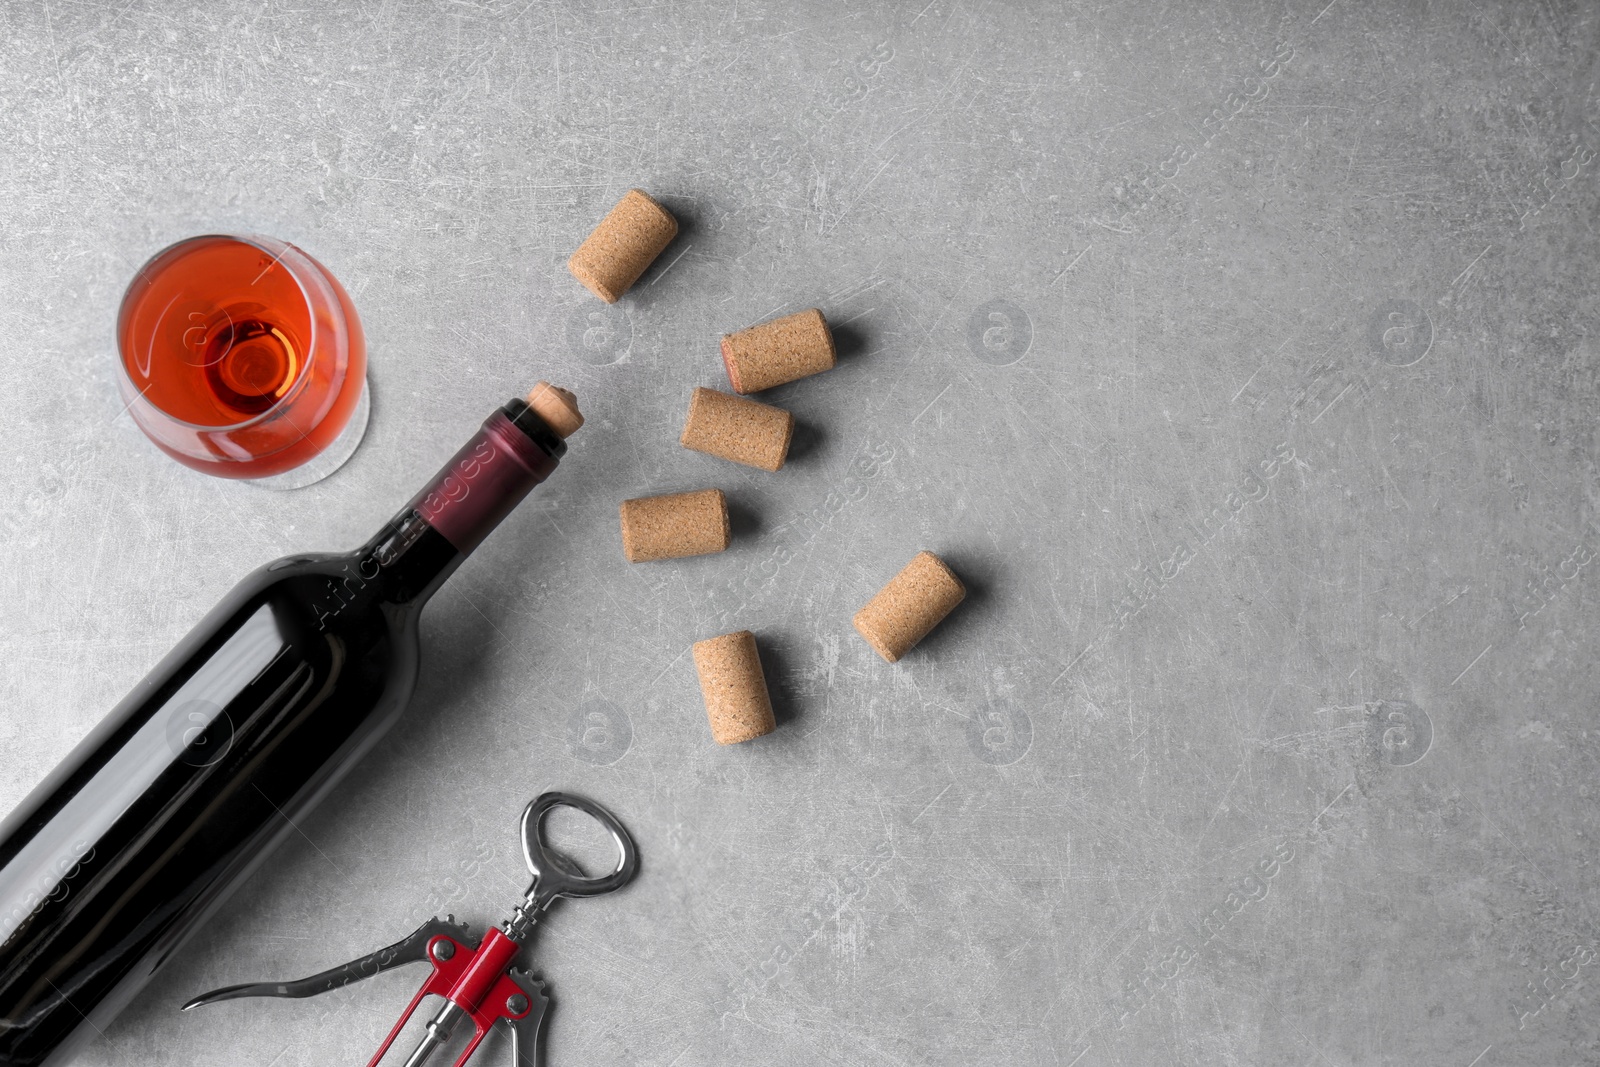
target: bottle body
<point>192,780</point>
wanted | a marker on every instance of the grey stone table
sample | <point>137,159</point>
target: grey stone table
<point>1242,360</point>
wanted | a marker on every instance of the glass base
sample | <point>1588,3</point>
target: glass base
<point>329,459</point>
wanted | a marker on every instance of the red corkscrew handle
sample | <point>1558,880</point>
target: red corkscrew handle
<point>476,981</point>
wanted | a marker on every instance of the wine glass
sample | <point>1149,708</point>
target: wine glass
<point>242,357</point>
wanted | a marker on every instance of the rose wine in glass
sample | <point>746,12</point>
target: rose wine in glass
<point>243,357</point>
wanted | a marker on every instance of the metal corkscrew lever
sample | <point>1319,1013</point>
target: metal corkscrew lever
<point>477,982</point>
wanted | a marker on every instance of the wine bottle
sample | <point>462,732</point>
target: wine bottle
<point>185,788</point>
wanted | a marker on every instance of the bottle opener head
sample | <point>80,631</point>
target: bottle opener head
<point>555,876</point>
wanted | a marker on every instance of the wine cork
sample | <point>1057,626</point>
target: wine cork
<point>779,351</point>
<point>913,603</point>
<point>626,242</point>
<point>734,687</point>
<point>557,407</point>
<point>674,525</point>
<point>732,427</point>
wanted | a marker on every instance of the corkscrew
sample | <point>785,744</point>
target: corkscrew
<point>477,982</point>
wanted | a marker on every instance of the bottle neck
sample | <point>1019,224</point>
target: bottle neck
<point>421,546</point>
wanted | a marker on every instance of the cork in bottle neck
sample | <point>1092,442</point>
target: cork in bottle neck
<point>557,407</point>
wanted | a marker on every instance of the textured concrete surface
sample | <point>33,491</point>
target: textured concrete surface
<point>1243,362</point>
